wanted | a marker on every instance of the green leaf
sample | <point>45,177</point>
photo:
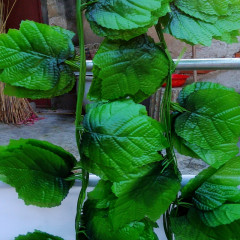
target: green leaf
<point>189,226</point>
<point>221,187</point>
<point>102,194</point>
<point>97,226</point>
<point>216,193</point>
<point>181,147</point>
<point>198,21</point>
<point>136,68</point>
<point>119,139</point>
<point>64,85</point>
<point>125,19</point>
<point>32,59</point>
<point>225,214</point>
<point>205,10</point>
<point>148,196</point>
<point>37,235</point>
<point>211,126</point>
<point>37,170</point>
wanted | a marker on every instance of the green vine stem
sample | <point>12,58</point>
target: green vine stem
<point>166,102</point>
<point>165,118</point>
<point>80,95</point>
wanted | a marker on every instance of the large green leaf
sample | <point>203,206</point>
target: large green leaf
<point>37,235</point>
<point>125,19</point>
<point>216,193</point>
<point>198,21</point>
<point>211,125</point>
<point>32,60</point>
<point>119,139</point>
<point>97,225</point>
<point>37,170</point>
<point>225,214</point>
<point>148,196</point>
<point>208,11</point>
<point>136,68</point>
<point>189,226</point>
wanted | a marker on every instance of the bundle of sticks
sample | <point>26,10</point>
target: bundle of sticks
<point>12,110</point>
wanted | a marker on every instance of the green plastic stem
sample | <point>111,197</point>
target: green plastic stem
<point>80,96</point>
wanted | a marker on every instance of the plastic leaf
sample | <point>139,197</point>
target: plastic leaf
<point>125,19</point>
<point>216,193</point>
<point>32,60</point>
<point>96,224</point>
<point>149,196</point>
<point>136,68</point>
<point>211,126</point>
<point>37,170</point>
<point>37,235</point>
<point>119,139</point>
<point>198,21</point>
<point>190,226</point>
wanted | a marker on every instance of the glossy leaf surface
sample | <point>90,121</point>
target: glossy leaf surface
<point>148,196</point>
<point>98,226</point>
<point>136,68</point>
<point>216,193</point>
<point>32,60</point>
<point>125,19</point>
<point>37,235</point>
<point>211,126</point>
<point>195,229</point>
<point>119,140</point>
<point>37,170</point>
<point>198,21</point>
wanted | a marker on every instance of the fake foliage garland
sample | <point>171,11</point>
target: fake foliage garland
<point>131,152</point>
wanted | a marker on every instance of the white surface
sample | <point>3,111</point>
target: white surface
<point>16,218</point>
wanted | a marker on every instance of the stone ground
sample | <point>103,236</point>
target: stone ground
<point>59,129</point>
<point>56,128</point>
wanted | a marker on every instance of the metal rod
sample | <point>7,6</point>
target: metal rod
<point>93,180</point>
<point>209,64</point>
<point>196,64</point>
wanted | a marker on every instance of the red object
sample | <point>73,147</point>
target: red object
<point>178,80</point>
<point>23,10</point>
<point>42,103</point>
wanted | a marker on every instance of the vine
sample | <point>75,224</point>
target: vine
<point>79,129</point>
<point>132,153</point>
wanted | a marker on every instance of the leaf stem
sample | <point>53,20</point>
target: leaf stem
<point>166,102</point>
<point>80,95</point>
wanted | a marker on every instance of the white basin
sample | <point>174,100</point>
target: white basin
<point>16,218</point>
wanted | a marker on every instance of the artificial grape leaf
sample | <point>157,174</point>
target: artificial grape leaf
<point>195,23</point>
<point>180,146</point>
<point>37,170</point>
<point>96,225</point>
<point>205,10</point>
<point>216,193</point>
<point>211,126</point>
<point>37,235</point>
<point>225,214</point>
<point>64,85</point>
<point>189,226</point>
<point>32,59</point>
<point>148,196</point>
<point>119,139</point>
<point>125,19</point>
<point>136,68</point>
<point>102,194</point>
